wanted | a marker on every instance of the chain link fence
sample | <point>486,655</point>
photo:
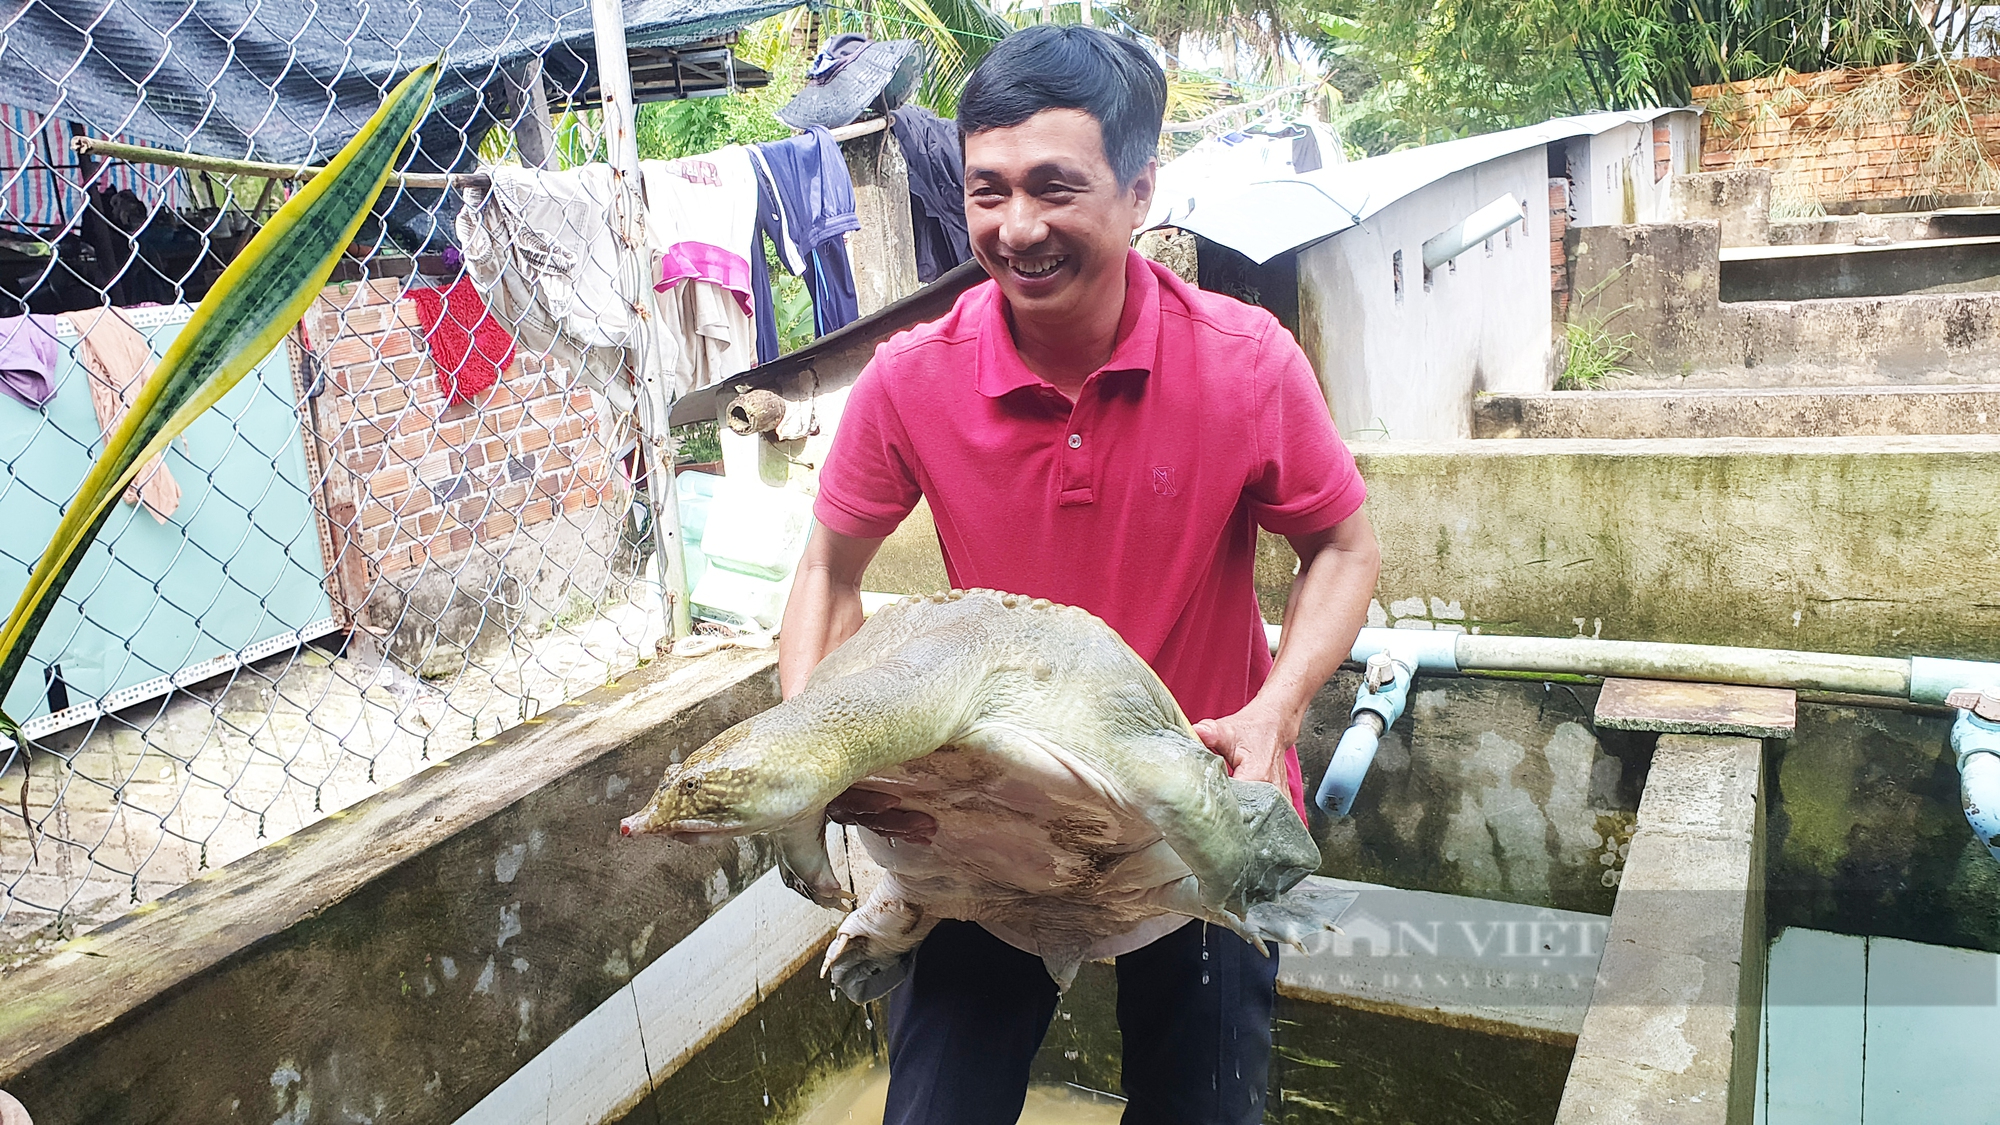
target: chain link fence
<point>408,529</point>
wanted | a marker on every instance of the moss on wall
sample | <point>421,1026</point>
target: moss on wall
<point>1866,833</point>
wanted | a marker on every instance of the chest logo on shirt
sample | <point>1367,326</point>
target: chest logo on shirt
<point>1163,481</point>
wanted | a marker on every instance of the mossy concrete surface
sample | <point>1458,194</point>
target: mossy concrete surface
<point>1867,835</point>
<point>398,960</point>
<point>1494,789</point>
<point>1503,789</point>
<point>1873,546</point>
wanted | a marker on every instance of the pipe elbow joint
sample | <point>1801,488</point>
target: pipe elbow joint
<point>1381,701</point>
<point>1976,742</point>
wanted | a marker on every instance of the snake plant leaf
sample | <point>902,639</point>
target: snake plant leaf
<point>255,302</point>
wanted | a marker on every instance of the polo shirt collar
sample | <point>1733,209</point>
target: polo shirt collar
<point>1002,372</point>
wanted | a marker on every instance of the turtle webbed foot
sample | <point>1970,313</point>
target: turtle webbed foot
<point>804,866</point>
<point>1300,914</point>
<point>861,975</point>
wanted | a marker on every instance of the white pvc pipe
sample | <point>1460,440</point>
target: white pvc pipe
<point>1481,225</point>
<point>1921,680</point>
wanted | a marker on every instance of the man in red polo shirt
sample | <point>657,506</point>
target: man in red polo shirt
<point>1090,430</point>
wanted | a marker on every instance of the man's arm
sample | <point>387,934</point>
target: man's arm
<point>825,604</point>
<point>1326,609</point>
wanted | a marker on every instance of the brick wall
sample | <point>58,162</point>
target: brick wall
<point>1559,188</point>
<point>411,478</point>
<point>1826,139</point>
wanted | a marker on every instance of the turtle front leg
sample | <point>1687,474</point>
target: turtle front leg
<point>804,865</point>
<point>876,945</point>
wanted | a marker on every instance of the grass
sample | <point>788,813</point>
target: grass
<point>1596,355</point>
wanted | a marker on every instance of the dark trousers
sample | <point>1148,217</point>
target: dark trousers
<point>1194,1012</point>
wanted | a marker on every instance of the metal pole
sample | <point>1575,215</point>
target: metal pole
<point>628,217</point>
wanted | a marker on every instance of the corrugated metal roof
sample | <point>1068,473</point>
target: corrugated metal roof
<point>1267,219</point>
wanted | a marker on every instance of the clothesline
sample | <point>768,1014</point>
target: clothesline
<point>140,154</point>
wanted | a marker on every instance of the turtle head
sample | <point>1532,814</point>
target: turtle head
<point>726,788</point>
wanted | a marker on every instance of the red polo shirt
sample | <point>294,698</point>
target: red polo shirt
<point>1140,502</point>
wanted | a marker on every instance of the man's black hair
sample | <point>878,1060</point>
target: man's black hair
<point>1051,66</point>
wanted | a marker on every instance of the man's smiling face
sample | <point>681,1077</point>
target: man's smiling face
<point>1046,215</point>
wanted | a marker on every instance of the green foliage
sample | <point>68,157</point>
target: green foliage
<point>699,443</point>
<point>1595,355</point>
<point>1451,68</point>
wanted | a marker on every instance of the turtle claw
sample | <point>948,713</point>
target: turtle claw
<point>833,952</point>
<point>858,974</point>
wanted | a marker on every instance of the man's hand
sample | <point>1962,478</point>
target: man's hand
<point>1329,602</point>
<point>1252,742</point>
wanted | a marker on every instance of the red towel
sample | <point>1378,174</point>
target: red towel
<point>468,347</point>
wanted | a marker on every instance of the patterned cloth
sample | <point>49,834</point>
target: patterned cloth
<point>40,184</point>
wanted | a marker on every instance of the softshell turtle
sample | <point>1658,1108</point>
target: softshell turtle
<point>1074,804</point>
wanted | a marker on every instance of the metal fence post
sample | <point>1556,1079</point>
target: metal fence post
<point>653,381</point>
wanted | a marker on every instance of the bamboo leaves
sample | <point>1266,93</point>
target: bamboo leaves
<point>252,306</point>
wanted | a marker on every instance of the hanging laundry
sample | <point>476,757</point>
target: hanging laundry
<point>937,189</point>
<point>770,224</point>
<point>120,361</point>
<point>27,359</point>
<point>702,211</point>
<point>468,347</point>
<point>817,199</point>
<point>540,247</point>
<point>715,335</point>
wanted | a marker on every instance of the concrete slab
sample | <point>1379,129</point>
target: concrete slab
<point>1801,273</point>
<point>1739,412</point>
<point>1660,285</point>
<point>1680,708</point>
<point>1473,963</point>
<point>1671,1034</point>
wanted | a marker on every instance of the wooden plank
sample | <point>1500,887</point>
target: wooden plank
<point>1678,708</point>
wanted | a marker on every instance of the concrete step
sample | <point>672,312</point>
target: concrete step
<point>1803,273</point>
<point>1740,412</point>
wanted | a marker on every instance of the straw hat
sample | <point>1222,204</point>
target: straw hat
<point>853,75</point>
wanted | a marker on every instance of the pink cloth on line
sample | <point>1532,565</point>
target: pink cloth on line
<point>468,347</point>
<point>1139,502</point>
<point>704,262</point>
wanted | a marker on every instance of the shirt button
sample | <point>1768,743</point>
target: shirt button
<point>1076,441</point>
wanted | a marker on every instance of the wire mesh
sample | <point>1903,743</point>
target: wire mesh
<point>373,559</point>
